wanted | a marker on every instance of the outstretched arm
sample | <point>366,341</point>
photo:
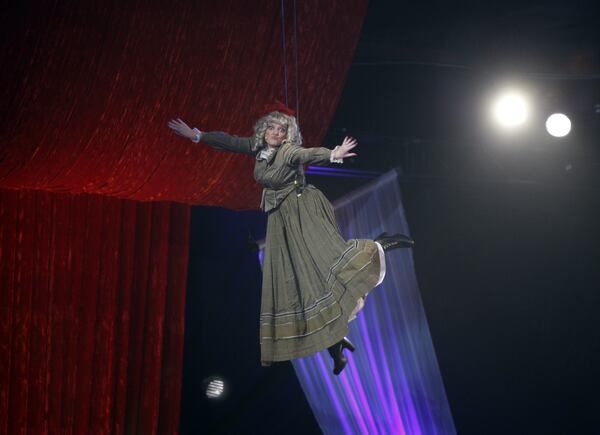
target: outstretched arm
<point>216,139</point>
<point>319,155</point>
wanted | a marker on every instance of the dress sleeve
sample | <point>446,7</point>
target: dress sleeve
<point>226,142</point>
<point>308,156</point>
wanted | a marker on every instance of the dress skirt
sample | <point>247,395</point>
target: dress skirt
<point>314,281</point>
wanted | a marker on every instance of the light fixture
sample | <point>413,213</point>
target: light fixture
<point>214,387</point>
<point>510,110</point>
<point>558,125</point>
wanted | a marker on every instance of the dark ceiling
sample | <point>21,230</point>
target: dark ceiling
<point>544,36</point>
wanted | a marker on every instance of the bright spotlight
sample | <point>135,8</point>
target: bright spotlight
<point>214,387</point>
<point>510,110</point>
<point>558,125</point>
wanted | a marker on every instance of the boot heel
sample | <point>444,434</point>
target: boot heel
<point>339,360</point>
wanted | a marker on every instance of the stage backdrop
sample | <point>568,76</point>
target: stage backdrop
<point>87,90</point>
<point>392,384</point>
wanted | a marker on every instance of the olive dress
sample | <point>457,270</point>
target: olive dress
<point>314,281</point>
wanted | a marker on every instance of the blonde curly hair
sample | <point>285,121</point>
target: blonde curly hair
<point>293,132</point>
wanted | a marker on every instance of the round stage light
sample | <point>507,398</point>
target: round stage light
<point>558,125</point>
<point>510,110</point>
<point>214,387</point>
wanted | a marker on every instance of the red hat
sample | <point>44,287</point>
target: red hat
<point>277,106</point>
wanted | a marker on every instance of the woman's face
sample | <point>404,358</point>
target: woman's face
<point>275,134</point>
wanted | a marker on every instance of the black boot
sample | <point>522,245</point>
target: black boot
<point>339,360</point>
<point>394,241</point>
<point>347,344</point>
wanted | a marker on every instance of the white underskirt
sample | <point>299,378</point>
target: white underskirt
<point>381,262</point>
<point>361,302</point>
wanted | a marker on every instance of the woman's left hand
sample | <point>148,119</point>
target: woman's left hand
<point>343,151</point>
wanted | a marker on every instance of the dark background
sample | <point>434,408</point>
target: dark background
<point>506,224</point>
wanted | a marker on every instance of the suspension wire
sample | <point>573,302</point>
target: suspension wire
<point>296,64</point>
<point>285,78</point>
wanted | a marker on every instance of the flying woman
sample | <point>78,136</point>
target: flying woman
<point>314,281</point>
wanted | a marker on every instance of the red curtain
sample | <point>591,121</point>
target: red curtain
<point>92,300</point>
<point>92,87</point>
<point>92,279</point>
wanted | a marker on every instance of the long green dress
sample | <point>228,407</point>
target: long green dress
<point>314,281</point>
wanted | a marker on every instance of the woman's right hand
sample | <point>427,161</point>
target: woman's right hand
<point>181,128</point>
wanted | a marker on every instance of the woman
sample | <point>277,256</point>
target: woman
<point>314,281</point>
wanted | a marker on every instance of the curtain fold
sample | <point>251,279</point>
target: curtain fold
<point>92,304</point>
<point>392,384</point>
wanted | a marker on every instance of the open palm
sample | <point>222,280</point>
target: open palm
<point>343,150</point>
<point>181,128</point>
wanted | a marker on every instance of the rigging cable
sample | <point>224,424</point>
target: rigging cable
<point>285,78</point>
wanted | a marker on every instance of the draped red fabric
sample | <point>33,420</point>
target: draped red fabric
<point>93,84</point>
<point>92,266</point>
<point>92,300</point>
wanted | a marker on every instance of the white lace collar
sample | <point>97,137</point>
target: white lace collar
<point>265,153</point>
